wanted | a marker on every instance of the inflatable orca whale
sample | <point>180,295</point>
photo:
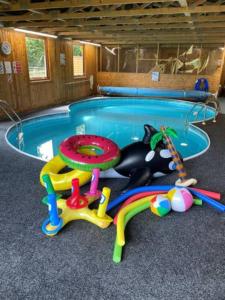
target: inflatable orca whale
<point>140,163</point>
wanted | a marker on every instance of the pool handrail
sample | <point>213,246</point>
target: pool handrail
<point>203,106</point>
<point>14,117</point>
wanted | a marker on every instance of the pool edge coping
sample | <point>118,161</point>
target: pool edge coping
<point>67,107</point>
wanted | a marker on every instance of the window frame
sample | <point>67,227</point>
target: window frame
<point>84,65</point>
<point>47,60</point>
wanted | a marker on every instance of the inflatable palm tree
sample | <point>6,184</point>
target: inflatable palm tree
<point>165,135</point>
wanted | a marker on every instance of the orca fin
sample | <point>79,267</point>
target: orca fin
<point>149,132</point>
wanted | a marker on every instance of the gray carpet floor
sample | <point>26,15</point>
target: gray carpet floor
<point>180,256</point>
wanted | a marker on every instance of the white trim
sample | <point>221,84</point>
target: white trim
<point>36,33</point>
<point>90,43</point>
<point>67,107</point>
<point>204,150</point>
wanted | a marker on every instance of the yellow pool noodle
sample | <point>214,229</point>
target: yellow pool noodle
<point>122,214</point>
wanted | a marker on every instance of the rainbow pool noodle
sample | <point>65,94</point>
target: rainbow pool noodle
<point>121,198</point>
<point>117,252</point>
<point>132,192</point>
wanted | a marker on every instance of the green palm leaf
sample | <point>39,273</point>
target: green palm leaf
<point>156,138</point>
<point>171,132</point>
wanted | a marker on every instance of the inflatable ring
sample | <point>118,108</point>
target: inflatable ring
<point>70,152</point>
<point>62,182</point>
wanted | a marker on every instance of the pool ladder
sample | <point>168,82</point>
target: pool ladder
<point>13,116</point>
<point>203,107</point>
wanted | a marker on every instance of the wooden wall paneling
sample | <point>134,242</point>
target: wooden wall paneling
<point>25,95</point>
<point>167,81</point>
<point>222,79</point>
<point>91,58</point>
<point>61,71</point>
<point>44,93</point>
<point>6,85</point>
<point>7,90</point>
<point>14,88</point>
<point>21,85</point>
<point>80,87</point>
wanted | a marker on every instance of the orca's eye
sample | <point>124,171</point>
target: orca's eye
<point>172,166</point>
<point>165,153</point>
<point>150,155</point>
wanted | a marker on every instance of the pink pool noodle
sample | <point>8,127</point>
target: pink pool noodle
<point>94,182</point>
<point>214,195</point>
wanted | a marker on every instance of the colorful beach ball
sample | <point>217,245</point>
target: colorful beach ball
<point>181,199</point>
<point>160,205</point>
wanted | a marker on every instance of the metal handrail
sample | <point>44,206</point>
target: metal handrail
<point>203,106</point>
<point>214,100</point>
<point>14,117</point>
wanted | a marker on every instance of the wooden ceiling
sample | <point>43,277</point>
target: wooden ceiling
<point>121,21</point>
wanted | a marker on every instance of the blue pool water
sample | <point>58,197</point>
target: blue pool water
<point>120,119</point>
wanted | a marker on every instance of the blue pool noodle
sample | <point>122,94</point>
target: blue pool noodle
<point>165,188</point>
<point>132,192</point>
<point>209,200</point>
<point>53,210</point>
<point>150,92</point>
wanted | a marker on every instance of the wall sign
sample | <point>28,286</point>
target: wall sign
<point>6,48</point>
<point>155,76</point>
<point>2,71</point>
<point>62,59</point>
<point>8,67</point>
<point>17,69</point>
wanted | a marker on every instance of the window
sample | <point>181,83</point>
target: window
<point>36,55</point>
<point>78,60</point>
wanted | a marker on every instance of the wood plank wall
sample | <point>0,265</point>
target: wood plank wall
<point>25,95</point>
<point>184,81</point>
<point>222,81</point>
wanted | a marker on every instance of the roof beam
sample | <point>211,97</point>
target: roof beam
<point>210,42</point>
<point>134,27</point>
<point>197,2</point>
<point>73,4</point>
<point>5,2</point>
<point>143,34</point>
<point>131,21</point>
<point>120,13</point>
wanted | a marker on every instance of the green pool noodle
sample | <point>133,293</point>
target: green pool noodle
<point>48,184</point>
<point>198,202</point>
<point>117,252</point>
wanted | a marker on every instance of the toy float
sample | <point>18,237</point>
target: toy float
<point>79,152</point>
<point>141,161</point>
<point>88,155</point>
<point>76,207</point>
<point>161,200</point>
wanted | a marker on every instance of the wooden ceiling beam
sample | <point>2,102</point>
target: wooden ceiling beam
<point>5,2</point>
<point>197,2</point>
<point>142,34</point>
<point>211,42</point>
<point>72,4</point>
<point>144,20</point>
<point>119,13</point>
<point>158,40</point>
<point>134,27</point>
<point>83,22</point>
